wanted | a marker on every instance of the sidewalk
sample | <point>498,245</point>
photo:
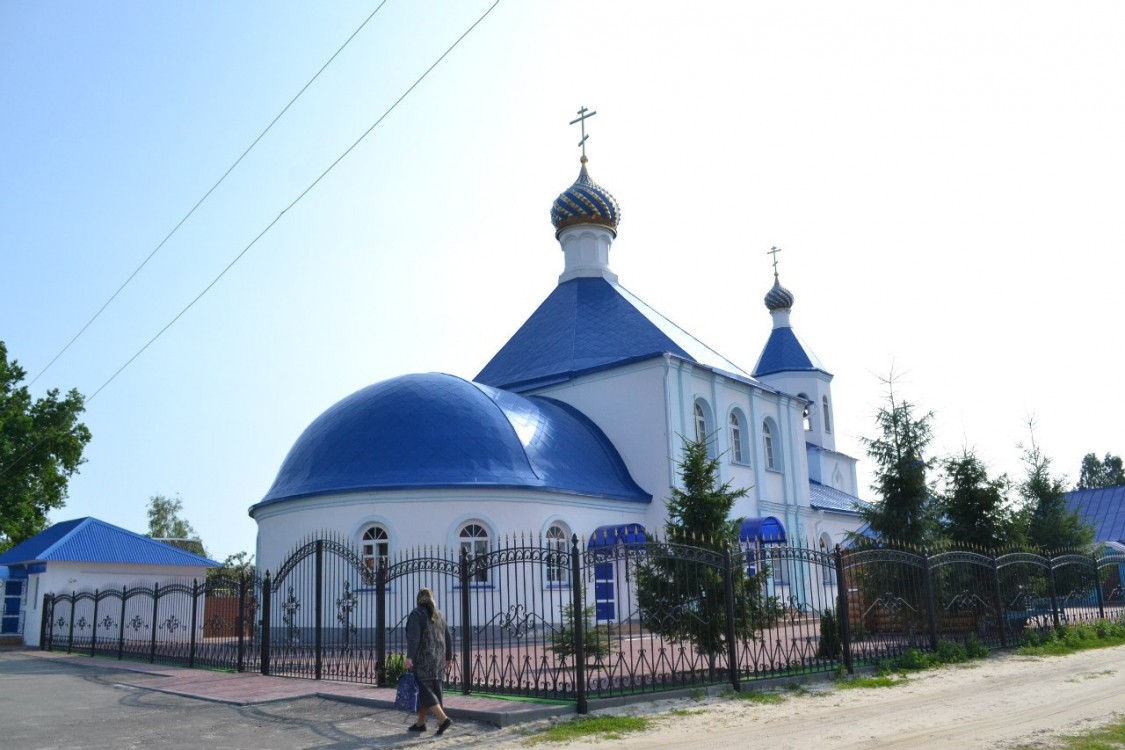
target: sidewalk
<point>248,688</point>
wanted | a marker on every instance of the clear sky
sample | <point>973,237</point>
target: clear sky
<point>945,180</point>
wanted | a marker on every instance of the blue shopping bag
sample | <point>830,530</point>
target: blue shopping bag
<point>406,694</point>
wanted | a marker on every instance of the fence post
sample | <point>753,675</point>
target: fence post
<point>70,635</point>
<point>1098,595</point>
<point>381,622</point>
<point>264,641</point>
<point>48,613</point>
<point>240,621</point>
<point>94,627</point>
<point>121,630</point>
<point>1054,594</point>
<point>155,606</point>
<point>466,623</point>
<point>842,610</point>
<point>319,603</point>
<point>999,599</point>
<point>931,611</point>
<point>579,620</point>
<point>194,621</point>
<point>728,591</point>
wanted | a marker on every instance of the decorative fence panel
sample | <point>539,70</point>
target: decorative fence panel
<point>617,614</point>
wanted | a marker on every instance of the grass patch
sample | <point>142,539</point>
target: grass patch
<point>1069,639</point>
<point>756,697</point>
<point>592,727</point>
<point>879,681</point>
<point>1110,737</point>
<point>686,712</point>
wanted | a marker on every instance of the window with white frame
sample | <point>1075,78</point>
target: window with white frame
<point>827,419</point>
<point>700,423</point>
<point>474,540</point>
<point>739,451</point>
<point>767,446</point>
<point>375,545</point>
<point>557,571</point>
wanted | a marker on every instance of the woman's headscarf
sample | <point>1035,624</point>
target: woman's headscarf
<point>425,600</point>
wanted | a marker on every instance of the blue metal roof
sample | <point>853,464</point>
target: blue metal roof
<point>1102,508</point>
<point>586,325</point>
<point>440,431</point>
<point>829,498</point>
<point>90,540</point>
<point>784,352</point>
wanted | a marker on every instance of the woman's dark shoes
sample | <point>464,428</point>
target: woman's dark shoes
<point>444,725</point>
<point>418,728</point>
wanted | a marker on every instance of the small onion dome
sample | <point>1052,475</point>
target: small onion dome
<point>585,202</point>
<point>778,298</point>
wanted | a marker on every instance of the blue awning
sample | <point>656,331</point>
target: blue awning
<point>625,533</point>
<point>766,530</point>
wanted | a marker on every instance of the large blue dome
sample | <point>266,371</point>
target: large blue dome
<point>440,431</point>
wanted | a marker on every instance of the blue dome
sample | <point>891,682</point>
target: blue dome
<point>778,298</point>
<point>440,431</point>
<point>585,202</point>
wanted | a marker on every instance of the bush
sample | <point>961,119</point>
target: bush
<point>829,647</point>
<point>396,666</point>
<point>597,640</point>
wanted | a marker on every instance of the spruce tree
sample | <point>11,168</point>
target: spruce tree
<point>682,594</point>
<point>1051,524</point>
<point>905,511</point>
<point>974,508</point>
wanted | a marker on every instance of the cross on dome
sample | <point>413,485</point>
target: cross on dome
<point>583,114</point>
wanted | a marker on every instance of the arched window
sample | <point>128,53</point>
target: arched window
<point>739,451</point>
<point>827,419</point>
<point>474,540</point>
<point>806,413</point>
<point>375,544</point>
<point>700,423</point>
<point>556,542</point>
<point>767,445</point>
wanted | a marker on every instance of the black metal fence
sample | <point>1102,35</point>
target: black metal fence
<point>617,614</point>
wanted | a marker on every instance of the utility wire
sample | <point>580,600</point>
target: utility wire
<point>270,225</point>
<point>296,200</point>
<point>206,195</point>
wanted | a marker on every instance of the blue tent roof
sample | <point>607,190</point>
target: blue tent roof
<point>90,540</point>
<point>622,533</point>
<point>767,530</point>
<point>784,352</point>
<point>441,431</point>
<point>1102,508</point>
<point>585,325</point>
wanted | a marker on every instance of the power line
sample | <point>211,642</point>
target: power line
<point>269,226</point>
<point>296,200</point>
<point>206,195</point>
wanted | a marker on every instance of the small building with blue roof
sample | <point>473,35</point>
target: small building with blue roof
<point>85,554</point>
<point>575,426</point>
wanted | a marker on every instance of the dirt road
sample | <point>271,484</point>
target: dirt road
<point>1007,701</point>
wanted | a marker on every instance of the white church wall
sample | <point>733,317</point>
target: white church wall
<point>423,517</point>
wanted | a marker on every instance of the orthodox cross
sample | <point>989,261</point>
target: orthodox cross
<point>774,251</point>
<point>582,115</point>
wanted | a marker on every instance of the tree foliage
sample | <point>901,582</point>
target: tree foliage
<point>1051,523</point>
<point>974,508</point>
<point>905,511</point>
<point>41,444</point>
<point>1105,473</point>
<point>685,599</point>
<point>164,520</point>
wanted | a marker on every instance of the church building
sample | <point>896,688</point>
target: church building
<point>575,426</point>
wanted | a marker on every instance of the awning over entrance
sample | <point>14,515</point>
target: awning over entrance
<point>625,533</point>
<point>765,530</point>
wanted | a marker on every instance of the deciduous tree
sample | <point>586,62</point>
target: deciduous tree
<point>164,520</point>
<point>41,444</point>
<point>1108,472</point>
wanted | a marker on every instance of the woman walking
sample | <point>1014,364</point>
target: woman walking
<point>429,652</point>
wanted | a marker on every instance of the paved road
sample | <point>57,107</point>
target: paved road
<point>51,704</point>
